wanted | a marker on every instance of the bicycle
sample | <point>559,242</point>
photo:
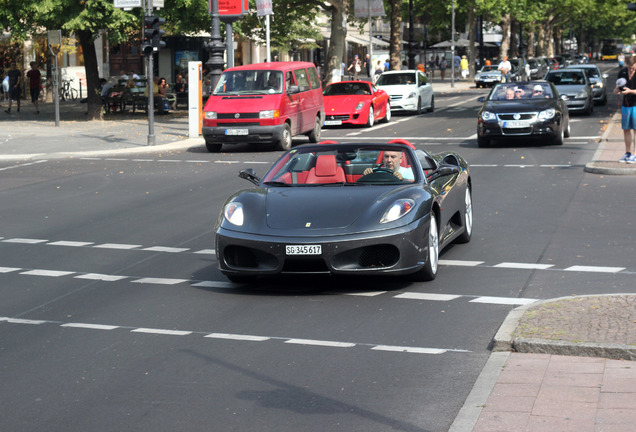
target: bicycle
<point>66,92</point>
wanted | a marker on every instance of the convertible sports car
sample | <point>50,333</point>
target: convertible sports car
<point>355,102</point>
<point>354,209</point>
<point>523,110</point>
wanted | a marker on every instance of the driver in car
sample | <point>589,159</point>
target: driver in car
<point>392,160</point>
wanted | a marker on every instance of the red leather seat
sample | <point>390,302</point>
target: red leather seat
<point>326,171</point>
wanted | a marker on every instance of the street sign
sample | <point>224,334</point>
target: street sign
<point>55,37</point>
<point>263,7</point>
<point>125,4</point>
<point>231,8</point>
<point>368,8</point>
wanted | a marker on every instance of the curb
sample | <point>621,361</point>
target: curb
<point>598,166</point>
<point>504,340</point>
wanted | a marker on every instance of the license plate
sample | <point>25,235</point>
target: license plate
<point>303,250</point>
<point>333,122</point>
<point>515,124</point>
<point>236,132</point>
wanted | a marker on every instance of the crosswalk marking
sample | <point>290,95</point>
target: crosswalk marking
<point>90,326</point>
<point>50,273</point>
<point>101,277</point>
<point>427,296</point>
<point>513,265</point>
<point>594,269</point>
<point>503,300</point>
<point>159,281</point>
<point>116,246</point>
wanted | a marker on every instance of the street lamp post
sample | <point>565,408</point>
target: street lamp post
<point>453,45</point>
<point>215,46</point>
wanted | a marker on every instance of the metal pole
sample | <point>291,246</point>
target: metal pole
<point>370,40</point>
<point>269,54</point>
<point>411,52</point>
<point>453,45</point>
<point>56,91</point>
<point>215,46</point>
<point>151,97</point>
<point>229,42</point>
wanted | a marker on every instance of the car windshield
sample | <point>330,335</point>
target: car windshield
<point>343,165</point>
<point>566,77</point>
<point>396,79</point>
<point>347,88</point>
<point>514,92</point>
<point>489,69</point>
<point>249,82</point>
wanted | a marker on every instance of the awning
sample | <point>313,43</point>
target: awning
<point>365,41</point>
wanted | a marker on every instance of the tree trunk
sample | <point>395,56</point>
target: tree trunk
<point>530,35</point>
<point>94,103</point>
<point>505,36</point>
<point>395,48</point>
<point>335,53</point>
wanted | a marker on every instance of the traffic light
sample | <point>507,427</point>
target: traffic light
<point>152,34</point>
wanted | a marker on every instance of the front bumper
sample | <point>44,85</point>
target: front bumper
<point>577,104</point>
<point>254,133</point>
<point>496,129</point>
<point>395,251</point>
<point>398,103</point>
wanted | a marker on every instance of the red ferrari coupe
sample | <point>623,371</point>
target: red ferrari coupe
<point>356,103</point>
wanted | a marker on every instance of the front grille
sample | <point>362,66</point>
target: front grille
<point>241,257</point>
<point>233,116</point>
<point>337,117</point>
<point>305,265</point>
<point>522,116</point>
<point>237,125</point>
<point>379,256</point>
<point>516,131</point>
<point>396,97</point>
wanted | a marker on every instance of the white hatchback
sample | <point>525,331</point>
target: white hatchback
<point>409,90</point>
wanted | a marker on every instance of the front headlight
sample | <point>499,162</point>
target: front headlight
<point>359,106</point>
<point>269,114</point>
<point>547,114</point>
<point>488,116</point>
<point>598,85</point>
<point>209,115</point>
<point>233,213</point>
<point>399,208</point>
<point>581,94</point>
<point>411,95</point>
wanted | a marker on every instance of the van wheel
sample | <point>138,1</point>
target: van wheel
<point>213,147</point>
<point>285,142</point>
<point>314,135</point>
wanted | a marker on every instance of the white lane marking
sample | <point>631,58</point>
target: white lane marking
<point>161,331</point>
<point>159,281</point>
<point>24,240</point>
<point>90,326</point>
<point>101,277</point>
<point>22,165</point>
<point>460,263</point>
<point>524,266</point>
<point>238,337</point>
<point>70,243</point>
<point>427,296</point>
<point>320,343</point>
<point>50,273</point>
<point>9,269</point>
<point>214,284</point>
<point>555,166</point>
<point>503,300</point>
<point>594,269</point>
<point>116,246</point>
<point>414,350</point>
<point>366,294</point>
<point>241,337</point>
<point>206,251</point>
<point>165,249</point>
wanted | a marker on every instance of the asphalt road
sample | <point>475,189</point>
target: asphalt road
<point>114,317</point>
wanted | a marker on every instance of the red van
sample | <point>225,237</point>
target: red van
<point>264,103</point>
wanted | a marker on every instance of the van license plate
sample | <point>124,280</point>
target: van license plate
<point>303,250</point>
<point>236,132</point>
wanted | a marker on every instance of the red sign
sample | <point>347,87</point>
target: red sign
<point>232,8</point>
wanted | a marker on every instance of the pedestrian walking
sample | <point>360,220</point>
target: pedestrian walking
<point>431,67</point>
<point>367,64</point>
<point>626,86</point>
<point>15,79</point>
<point>505,68</point>
<point>356,65</point>
<point>442,67</point>
<point>35,85</point>
<point>463,65</point>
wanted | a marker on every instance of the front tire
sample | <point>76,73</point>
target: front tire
<point>213,147</point>
<point>371,119</point>
<point>429,271</point>
<point>387,116</point>
<point>314,135</point>
<point>467,218</point>
<point>285,142</point>
<point>432,107</point>
<point>419,106</point>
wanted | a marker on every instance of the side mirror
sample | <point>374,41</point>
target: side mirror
<point>293,89</point>
<point>605,76</point>
<point>481,99</point>
<point>442,171</point>
<point>250,175</point>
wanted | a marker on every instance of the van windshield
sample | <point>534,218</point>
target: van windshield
<point>249,82</point>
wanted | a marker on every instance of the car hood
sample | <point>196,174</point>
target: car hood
<point>335,104</point>
<point>522,106</point>
<point>324,210</point>
<point>399,89</point>
<point>571,90</point>
<point>486,74</point>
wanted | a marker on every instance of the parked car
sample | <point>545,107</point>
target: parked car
<point>409,90</point>
<point>538,68</point>
<point>347,209</point>
<point>355,103</point>
<point>530,110</point>
<point>264,103</point>
<point>488,76</point>
<point>581,58</point>
<point>598,80</point>
<point>575,87</point>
